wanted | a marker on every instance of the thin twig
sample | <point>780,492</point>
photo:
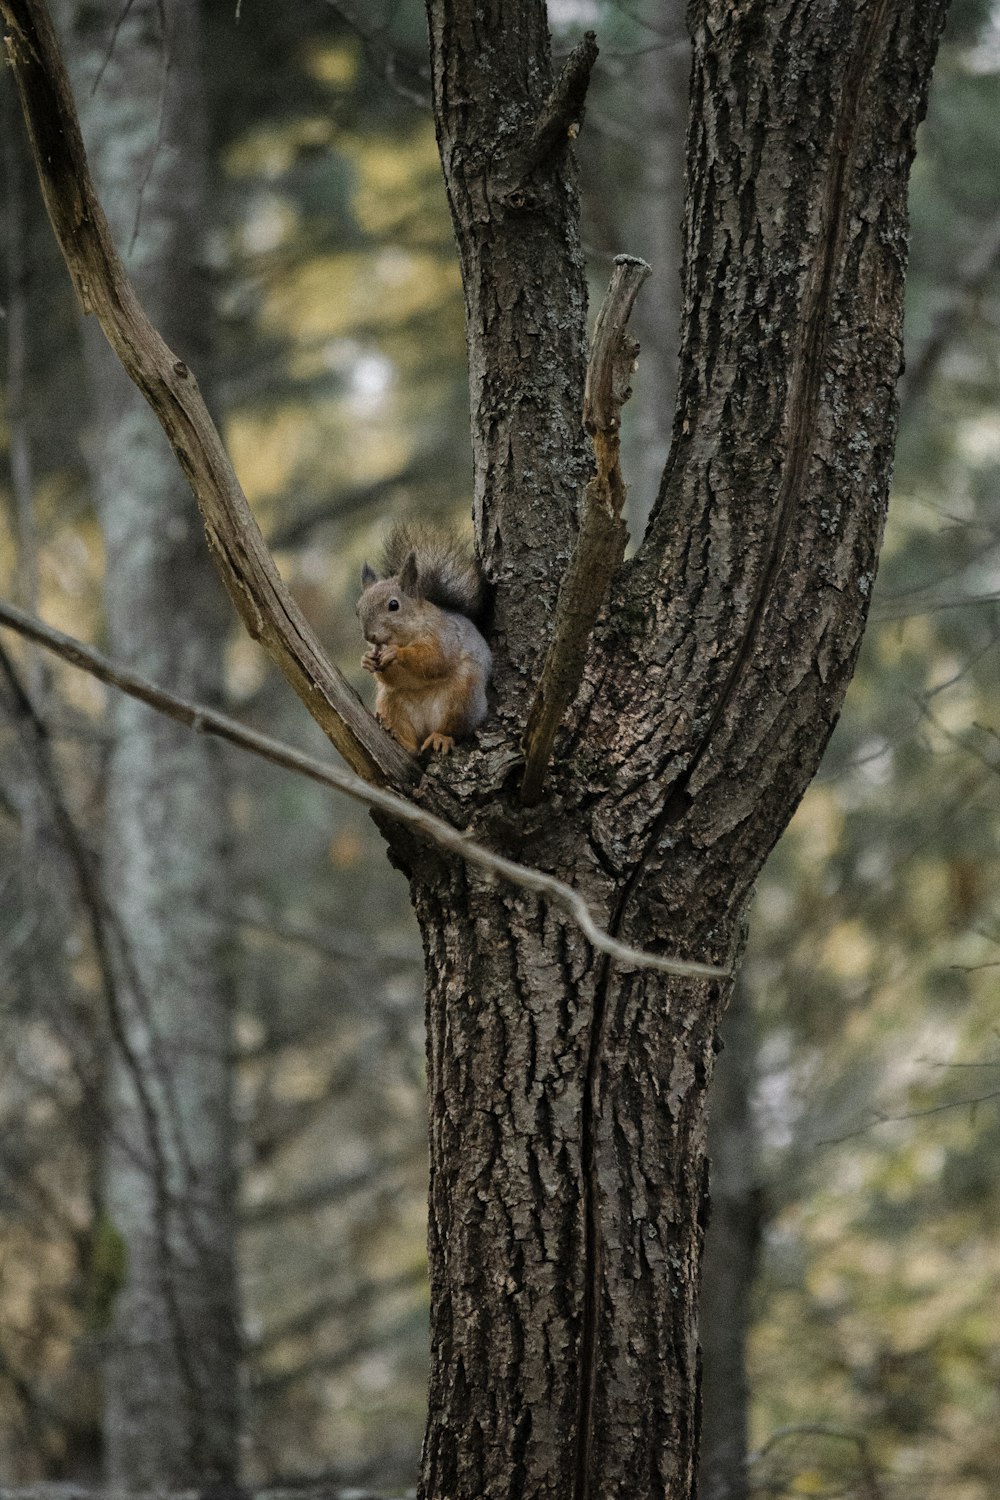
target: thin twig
<point>434,829</point>
<point>265,604</point>
<point>869,1473</point>
<point>603,534</point>
<point>102,930</point>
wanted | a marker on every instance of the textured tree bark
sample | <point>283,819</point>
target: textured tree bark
<point>568,1188</point>
<point>730,1262</point>
<point>171,1359</point>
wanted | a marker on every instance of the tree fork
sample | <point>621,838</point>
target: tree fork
<point>711,685</point>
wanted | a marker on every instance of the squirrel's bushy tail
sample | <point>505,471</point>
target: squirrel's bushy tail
<point>448,574</point>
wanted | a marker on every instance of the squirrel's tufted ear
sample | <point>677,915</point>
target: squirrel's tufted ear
<point>408,574</point>
<point>368,577</point>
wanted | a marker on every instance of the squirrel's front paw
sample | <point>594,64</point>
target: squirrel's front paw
<point>377,658</point>
<point>441,742</point>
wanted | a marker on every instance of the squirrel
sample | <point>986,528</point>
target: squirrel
<point>429,660</point>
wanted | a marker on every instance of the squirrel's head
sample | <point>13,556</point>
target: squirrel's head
<point>390,609</point>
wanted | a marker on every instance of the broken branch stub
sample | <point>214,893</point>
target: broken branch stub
<point>600,546</point>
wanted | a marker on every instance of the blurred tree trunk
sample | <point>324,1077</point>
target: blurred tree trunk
<point>568,1151</point>
<point>730,1262</point>
<point>172,1351</point>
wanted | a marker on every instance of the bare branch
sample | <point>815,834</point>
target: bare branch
<point>102,931</point>
<point>563,114</point>
<point>424,823</point>
<point>319,1195</point>
<point>348,502</point>
<point>266,607</point>
<point>866,1464</point>
<point>603,534</point>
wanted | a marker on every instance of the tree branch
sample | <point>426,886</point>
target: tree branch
<point>435,830</point>
<point>603,534</point>
<point>265,605</point>
<point>562,116</point>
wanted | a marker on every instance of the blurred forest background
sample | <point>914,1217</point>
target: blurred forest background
<point>856,1264</point>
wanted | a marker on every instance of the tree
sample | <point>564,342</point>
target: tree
<point>173,1346</point>
<point>568,1182</point>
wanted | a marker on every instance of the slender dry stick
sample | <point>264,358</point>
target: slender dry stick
<point>432,828</point>
<point>265,605</point>
<point>603,534</point>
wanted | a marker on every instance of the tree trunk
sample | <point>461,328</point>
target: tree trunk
<point>730,1264</point>
<point>568,1192</point>
<point>171,1362</point>
<point>568,1188</point>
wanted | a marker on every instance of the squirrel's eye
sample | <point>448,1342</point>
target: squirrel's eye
<point>393,603</point>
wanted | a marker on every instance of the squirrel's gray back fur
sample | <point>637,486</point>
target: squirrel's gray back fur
<point>447,573</point>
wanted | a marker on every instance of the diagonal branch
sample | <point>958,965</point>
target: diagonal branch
<point>563,114</point>
<point>603,534</point>
<point>265,605</point>
<point>435,830</point>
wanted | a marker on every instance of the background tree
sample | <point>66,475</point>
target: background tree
<point>172,1351</point>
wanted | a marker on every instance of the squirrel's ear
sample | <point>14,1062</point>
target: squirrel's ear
<point>368,577</point>
<point>408,575</point>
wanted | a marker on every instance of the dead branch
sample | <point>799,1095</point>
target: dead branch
<point>603,534</point>
<point>265,605</point>
<point>563,114</point>
<point>435,830</point>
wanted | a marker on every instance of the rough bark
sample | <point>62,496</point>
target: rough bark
<point>730,1261</point>
<point>568,1190</point>
<point>172,1351</point>
<point>525,302</point>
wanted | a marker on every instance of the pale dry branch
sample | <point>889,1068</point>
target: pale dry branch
<point>435,830</point>
<point>265,604</point>
<point>603,533</point>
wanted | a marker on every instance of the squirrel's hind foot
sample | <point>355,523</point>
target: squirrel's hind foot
<point>440,742</point>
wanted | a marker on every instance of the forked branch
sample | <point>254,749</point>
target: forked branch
<point>425,824</point>
<point>265,605</point>
<point>603,533</point>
